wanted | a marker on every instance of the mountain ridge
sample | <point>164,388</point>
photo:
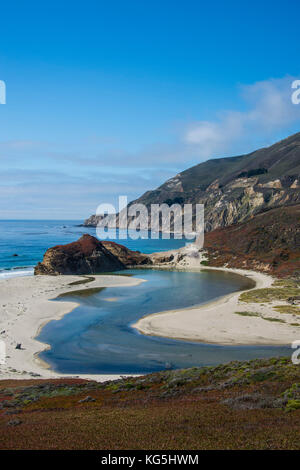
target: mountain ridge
<point>232,189</point>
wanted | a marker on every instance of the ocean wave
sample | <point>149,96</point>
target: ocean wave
<point>15,272</point>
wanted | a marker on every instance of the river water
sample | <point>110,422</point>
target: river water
<point>97,337</point>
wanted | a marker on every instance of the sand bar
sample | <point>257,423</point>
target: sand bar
<point>217,323</point>
<point>26,306</point>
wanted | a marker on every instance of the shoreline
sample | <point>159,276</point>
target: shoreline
<point>217,322</point>
<point>27,305</point>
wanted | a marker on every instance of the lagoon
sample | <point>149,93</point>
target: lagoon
<point>97,336</point>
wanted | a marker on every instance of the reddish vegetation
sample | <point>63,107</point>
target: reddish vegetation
<point>173,424</point>
<point>269,242</point>
<point>86,245</point>
<point>169,410</point>
<point>85,256</point>
<point>88,256</point>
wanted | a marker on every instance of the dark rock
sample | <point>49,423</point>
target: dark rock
<point>126,256</point>
<point>87,399</point>
<point>88,256</point>
<point>162,257</point>
<point>14,422</point>
<point>294,300</point>
<point>85,256</point>
<point>6,404</point>
<point>19,346</point>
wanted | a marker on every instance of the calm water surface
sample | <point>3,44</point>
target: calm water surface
<point>97,336</point>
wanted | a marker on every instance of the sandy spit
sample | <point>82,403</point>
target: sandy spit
<point>26,306</point>
<point>217,323</point>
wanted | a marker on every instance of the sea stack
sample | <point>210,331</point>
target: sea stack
<point>85,256</point>
<point>88,255</point>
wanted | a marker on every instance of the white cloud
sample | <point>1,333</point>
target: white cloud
<point>41,179</point>
<point>269,109</point>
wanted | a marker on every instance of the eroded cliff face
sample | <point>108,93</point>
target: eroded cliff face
<point>232,189</point>
<point>269,242</point>
<point>92,221</point>
<point>237,201</point>
<point>243,198</point>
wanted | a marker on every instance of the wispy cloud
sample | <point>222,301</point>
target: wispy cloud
<point>268,110</point>
<point>45,179</point>
<point>50,194</point>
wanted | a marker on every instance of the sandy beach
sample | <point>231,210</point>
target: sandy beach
<point>218,323</point>
<point>27,305</point>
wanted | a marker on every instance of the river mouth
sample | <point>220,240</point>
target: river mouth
<point>97,336</point>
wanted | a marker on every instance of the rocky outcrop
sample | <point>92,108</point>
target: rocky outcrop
<point>88,256</point>
<point>92,221</point>
<point>126,256</point>
<point>232,189</point>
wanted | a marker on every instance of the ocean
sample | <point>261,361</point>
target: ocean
<point>29,239</point>
<point>97,336</point>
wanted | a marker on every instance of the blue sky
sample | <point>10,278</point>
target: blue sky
<point>109,98</point>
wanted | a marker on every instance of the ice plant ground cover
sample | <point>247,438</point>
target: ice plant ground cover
<point>257,402</point>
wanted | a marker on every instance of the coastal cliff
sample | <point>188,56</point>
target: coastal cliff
<point>232,189</point>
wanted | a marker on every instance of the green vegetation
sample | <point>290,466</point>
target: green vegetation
<point>237,405</point>
<point>82,292</point>
<point>268,294</point>
<point>292,405</point>
<point>274,319</point>
<point>287,309</point>
<point>82,281</point>
<point>292,397</point>
<point>285,283</point>
<point>247,314</point>
<point>293,391</point>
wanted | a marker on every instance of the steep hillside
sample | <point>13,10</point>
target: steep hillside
<point>233,189</point>
<point>270,241</point>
